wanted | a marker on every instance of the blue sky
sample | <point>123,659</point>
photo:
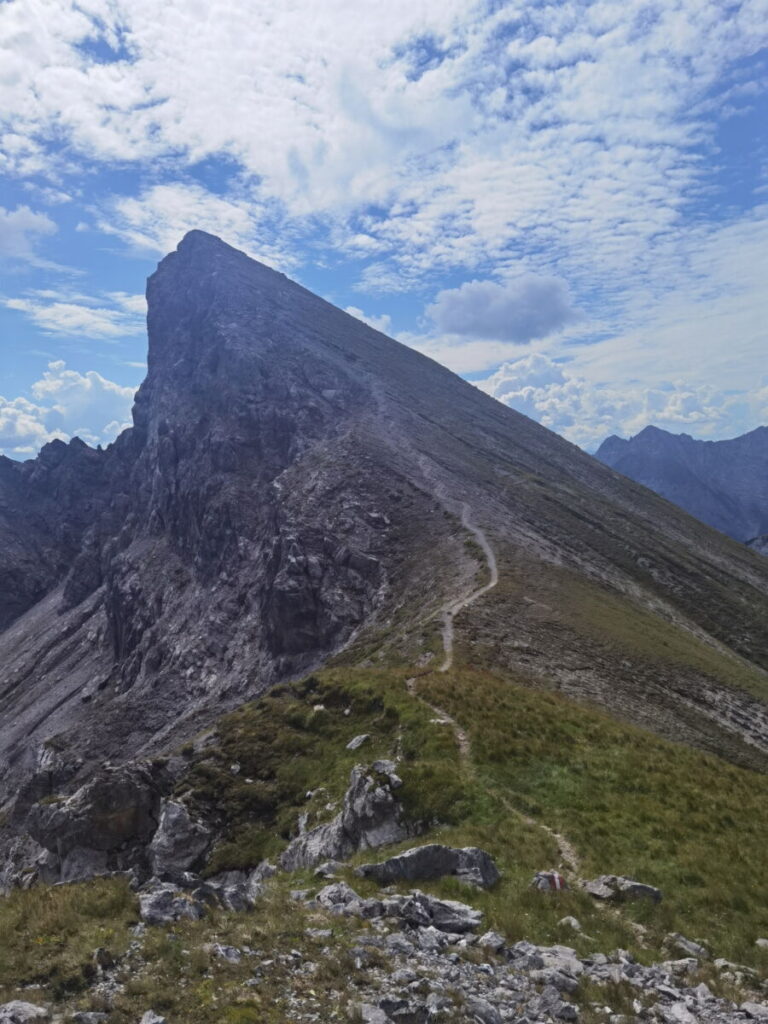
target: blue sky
<point>565,202</point>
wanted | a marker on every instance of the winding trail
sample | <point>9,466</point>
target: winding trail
<point>453,609</point>
<point>568,857</point>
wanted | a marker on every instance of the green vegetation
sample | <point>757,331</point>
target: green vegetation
<point>269,755</point>
<point>628,802</point>
<point>50,934</point>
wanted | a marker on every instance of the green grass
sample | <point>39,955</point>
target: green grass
<point>630,803</point>
<point>293,741</point>
<point>50,934</point>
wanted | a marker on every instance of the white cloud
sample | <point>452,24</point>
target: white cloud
<point>22,428</point>
<point>82,316</point>
<point>381,323</point>
<point>157,219</point>
<point>66,404</point>
<point>555,395</point>
<point>20,232</point>
<point>526,308</point>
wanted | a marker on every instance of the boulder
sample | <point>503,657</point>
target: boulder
<point>18,1012</point>
<point>239,890</point>
<point>618,888</point>
<point>434,860</point>
<point>757,1011</point>
<point>80,864</point>
<point>370,817</point>
<point>549,881</point>
<point>421,910</point>
<point>164,902</point>
<point>687,947</point>
<point>150,1017</point>
<point>358,741</point>
<point>119,807</point>
<point>179,844</point>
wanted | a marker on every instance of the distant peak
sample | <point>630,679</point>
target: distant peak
<point>197,240</point>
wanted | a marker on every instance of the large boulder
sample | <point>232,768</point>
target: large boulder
<point>179,844</point>
<point>371,816</point>
<point>434,860</point>
<point>617,888</point>
<point>120,807</point>
<point>18,1012</point>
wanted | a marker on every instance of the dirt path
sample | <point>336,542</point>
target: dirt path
<point>453,609</point>
<point>443,718</point>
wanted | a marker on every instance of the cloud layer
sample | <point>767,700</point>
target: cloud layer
<point>66,404</point>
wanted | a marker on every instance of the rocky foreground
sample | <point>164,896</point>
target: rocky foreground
<point>413,958</point>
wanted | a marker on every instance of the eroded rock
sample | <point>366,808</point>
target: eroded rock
<point>179,844</point>
<point>371,816</point>
<point>433,860</point>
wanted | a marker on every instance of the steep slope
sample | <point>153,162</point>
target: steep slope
<point>723,483</point>
<point>296,486</point>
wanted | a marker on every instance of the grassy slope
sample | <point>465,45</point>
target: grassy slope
<point>629,802</point>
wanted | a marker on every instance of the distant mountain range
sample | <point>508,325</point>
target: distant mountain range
<point>722,483</point>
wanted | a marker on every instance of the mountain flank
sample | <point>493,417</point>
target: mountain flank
<point>722,483</point>
<point>327,617</point>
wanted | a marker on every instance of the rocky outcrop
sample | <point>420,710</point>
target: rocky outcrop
<point>371,816</point>
<point>19,1012</point>
<point>470,865</point>
<point>107,822</point>
<point>179,844</point>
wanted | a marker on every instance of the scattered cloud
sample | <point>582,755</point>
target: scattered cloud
<point>522,310</point>
<point>81,316</point>
<point>20,232</point>
<point>381,323</point>
<point>557,397</point>
<point>155,220</point>
<point>65,404</point>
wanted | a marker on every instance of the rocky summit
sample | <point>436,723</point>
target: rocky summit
<point>328,623</point>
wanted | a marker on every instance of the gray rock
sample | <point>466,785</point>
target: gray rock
<point>762,943</point>
<point>570,922</point>
<point>616,887</point>
<point>80,864</point>
<point>686,946</point>
<point>370,817</point>
<point>492,940</point>
<point>434,860</point>
<point>179,844</point>
<point>19,1012</point>
<point>757,1011</point>
<point>89,1017</point>
<point>164,902</point>
<point>373,1015</point>
<point>483,1012</point>
<point>119,807</point>
<point>421,910</point>
<point>150,1017</point>
<point>358,741</point>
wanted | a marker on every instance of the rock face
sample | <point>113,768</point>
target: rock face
<point>371,816</point>
<point>107,823</point>
<point>723,483</point>
<point>293,483</point>
<point>470,865</point>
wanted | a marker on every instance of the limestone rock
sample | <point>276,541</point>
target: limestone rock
<point>19,1012</point>
<point>617,888</point>
<point>179,844</point>
<point>434,860</point>
<point>370,817</point>
<point>164,902</point>
<point>120,806</point>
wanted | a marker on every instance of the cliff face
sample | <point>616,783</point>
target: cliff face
<point>296,484</point>
<point>723,483</point>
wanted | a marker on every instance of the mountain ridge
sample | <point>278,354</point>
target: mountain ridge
<point>292,490</point>
<point>722,483</point>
